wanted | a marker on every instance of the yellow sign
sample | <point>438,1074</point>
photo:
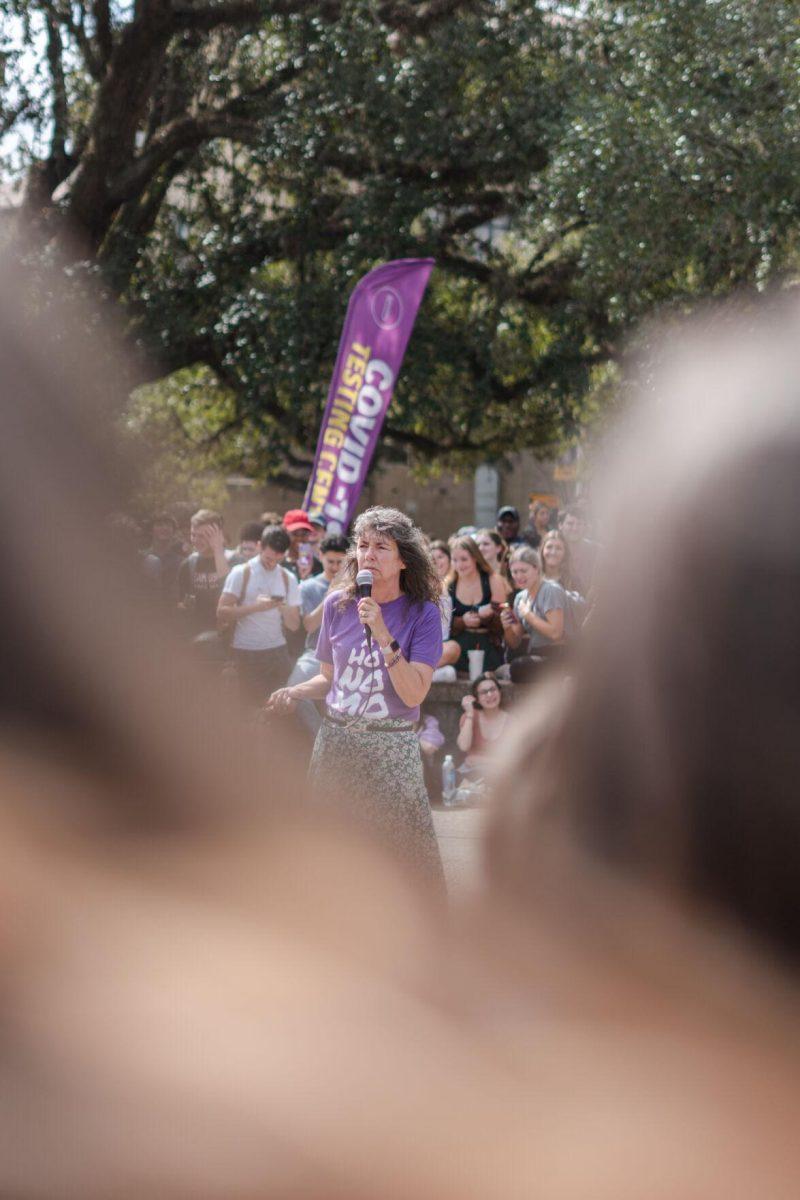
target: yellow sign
<point>548,498</point>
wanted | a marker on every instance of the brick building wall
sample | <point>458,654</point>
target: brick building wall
<point>439,505</point>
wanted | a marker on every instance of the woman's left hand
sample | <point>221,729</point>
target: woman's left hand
<point>369,613</point>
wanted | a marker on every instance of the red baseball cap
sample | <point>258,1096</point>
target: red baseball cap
<point>294,519</point>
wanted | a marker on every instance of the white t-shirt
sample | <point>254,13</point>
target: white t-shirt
<point>446,609</point>
<point>262,630</point>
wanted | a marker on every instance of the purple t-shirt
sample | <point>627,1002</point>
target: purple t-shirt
<point>418,629</point>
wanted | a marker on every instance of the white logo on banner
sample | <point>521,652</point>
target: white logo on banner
<point>386,307</point>
<point>361,676</point>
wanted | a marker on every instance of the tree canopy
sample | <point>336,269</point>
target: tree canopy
<point>228,170</point>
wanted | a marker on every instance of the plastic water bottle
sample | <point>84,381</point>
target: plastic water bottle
<point>448,780</point>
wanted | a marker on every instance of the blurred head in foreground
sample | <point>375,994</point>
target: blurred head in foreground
<point>167,907</point>
<point>674,758</point>
<point>648,834</point>
<point>89,680</point>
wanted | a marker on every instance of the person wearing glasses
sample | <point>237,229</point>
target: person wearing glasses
<point>483,722</point>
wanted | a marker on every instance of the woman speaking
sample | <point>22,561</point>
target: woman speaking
<point>377,655</point>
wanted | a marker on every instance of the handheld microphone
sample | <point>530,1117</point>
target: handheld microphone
<point>364,588</point>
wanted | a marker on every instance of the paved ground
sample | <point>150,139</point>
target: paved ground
<point>459,831</point>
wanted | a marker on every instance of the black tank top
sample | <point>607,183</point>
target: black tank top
<point>486,595</point>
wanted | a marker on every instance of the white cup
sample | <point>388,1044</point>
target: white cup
<point>475,658</point>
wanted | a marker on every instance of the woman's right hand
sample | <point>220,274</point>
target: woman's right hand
<point>472,620</point>
<point>468,704</point>
<point>524,609</point>
<point>512,628</point>
<point>281,700</point>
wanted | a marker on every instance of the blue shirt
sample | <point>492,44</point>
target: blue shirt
<point>312,592</point>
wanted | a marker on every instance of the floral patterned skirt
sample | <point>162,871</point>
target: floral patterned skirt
<point>375,769</point>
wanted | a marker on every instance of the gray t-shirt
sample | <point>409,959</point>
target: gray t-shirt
<point>312,593</point>
<point>549,596</point>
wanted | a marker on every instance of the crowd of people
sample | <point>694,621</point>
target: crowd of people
<point>511,600</point>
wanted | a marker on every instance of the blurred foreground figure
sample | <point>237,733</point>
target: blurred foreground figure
<point>675,759</point>
<point>649,837</point>
<point>206,995</point>
<point>173,927</point>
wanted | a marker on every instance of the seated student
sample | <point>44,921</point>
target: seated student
<point>475,589</point>
<point>484,720</point>
<point>445,670</point>
<point>556,559</point>
<point>534,627</point>
<point>495,551</point>
<point>557,567</point>
<point>440,553</point>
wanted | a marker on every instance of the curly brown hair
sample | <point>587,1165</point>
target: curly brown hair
<point>418,579</point>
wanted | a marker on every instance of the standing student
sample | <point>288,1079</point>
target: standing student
<point>539,518</point>
<point>263,599</point>
<point>299,557</point>
<point>313,591</point>
<point>583,552</point>
<point>507,525</point>
<point>203,573</point>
